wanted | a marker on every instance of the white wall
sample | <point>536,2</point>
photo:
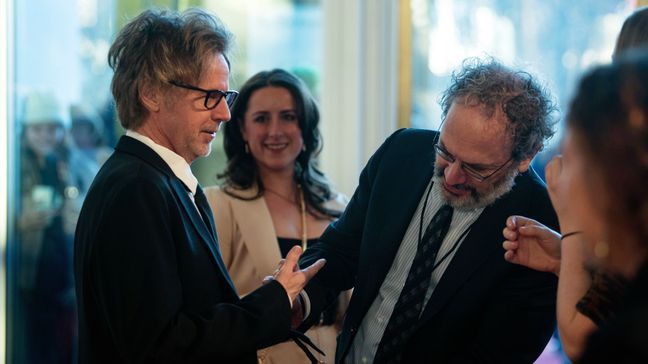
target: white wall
<point>359,89</point>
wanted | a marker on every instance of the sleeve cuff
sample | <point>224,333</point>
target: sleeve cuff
<point>306,305</point>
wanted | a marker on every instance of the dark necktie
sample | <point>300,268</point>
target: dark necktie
<point>205,211</point>
<point>407,310</point>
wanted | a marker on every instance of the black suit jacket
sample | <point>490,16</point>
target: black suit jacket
<point>484,309</point>
<point>151,285</point>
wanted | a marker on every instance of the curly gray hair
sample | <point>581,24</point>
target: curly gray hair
<point>527,105</point>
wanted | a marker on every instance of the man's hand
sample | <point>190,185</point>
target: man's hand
<point>531,244</point>
<point>291,277</point>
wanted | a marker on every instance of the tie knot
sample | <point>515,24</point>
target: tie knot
<point>445,211</point>
<point>199,191</point>
<point>439,225</point>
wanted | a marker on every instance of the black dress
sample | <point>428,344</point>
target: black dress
<point>624,337</point>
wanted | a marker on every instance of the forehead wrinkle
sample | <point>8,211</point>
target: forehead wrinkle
<point>472,135</point>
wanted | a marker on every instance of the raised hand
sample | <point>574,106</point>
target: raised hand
<point>531,244</point>
<point>291,277</point>
<point>557,185</point>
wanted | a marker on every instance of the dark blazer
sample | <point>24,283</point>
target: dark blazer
<point>483,310</point>
<point>151,285</point>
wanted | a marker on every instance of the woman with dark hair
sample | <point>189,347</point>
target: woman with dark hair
<point>273,197</point>
<point>603,174</point>
<point>48,211</point>
<point>589,295</point>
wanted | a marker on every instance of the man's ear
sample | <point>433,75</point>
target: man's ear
<point>524,165</point>
<point>151,97</point>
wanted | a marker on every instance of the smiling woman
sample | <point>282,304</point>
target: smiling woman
<point>274,197</point>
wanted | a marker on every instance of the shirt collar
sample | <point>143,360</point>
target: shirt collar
<point>178,165</point>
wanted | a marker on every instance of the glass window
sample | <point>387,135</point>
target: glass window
<point>66,128</point>
<point>556,40</point>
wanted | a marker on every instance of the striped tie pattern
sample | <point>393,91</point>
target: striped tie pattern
<point>407,310</point>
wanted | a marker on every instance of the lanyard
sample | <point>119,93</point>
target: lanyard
<point>420,235</point>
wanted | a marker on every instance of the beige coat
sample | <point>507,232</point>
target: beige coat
<point>250,250</point>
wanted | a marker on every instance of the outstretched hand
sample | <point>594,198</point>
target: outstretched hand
<point>531,244</point>
<point>291,277</point>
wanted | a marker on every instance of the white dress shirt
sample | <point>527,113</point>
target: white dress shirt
<point>370,332</point>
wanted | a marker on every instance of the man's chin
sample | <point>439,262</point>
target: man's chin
<point>199,153</point>
<point>456,198</point>
<point>205,150</point>
<point>458,202</point>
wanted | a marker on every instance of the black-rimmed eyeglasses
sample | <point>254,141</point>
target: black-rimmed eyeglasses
<point>212,97</point>
<point>470,170</point>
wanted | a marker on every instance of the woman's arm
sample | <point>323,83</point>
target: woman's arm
<point>575,280</point>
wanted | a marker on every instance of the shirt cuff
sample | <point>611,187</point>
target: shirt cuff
<point>306,305</point>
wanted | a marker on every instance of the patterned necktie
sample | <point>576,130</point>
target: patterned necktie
<point>407,310</point>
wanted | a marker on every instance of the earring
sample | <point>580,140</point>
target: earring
<point>601,249</point>
<point>247,149</point>
<point>303,147</point>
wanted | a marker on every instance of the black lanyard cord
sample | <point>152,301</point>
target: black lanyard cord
<point>420,235</point>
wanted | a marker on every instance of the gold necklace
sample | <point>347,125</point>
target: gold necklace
<point>302,208</point>
<point>291,201</point>
<point>302,204</point>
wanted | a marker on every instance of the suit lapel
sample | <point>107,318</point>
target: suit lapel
<point>205,229</point>
<point>205,211</point>
<point>477,249</point>
<point>393,214</point>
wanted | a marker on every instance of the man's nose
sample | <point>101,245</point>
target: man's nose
<point>221,112</point>
<point>454,174</point>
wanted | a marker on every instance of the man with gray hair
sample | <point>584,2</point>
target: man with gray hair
<point>151,284</point>
<point>420,241</point>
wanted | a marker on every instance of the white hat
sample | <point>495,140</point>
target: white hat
<point>42,108</point>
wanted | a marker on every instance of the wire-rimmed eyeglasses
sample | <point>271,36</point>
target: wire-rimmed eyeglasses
<point>470,170</point>
<point>212,97</point>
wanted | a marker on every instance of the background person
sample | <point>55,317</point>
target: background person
<point>89,151</point>
<point>46,230</point>
<point>603,174</point>
<point>274,197</point>
<point>587,295</point>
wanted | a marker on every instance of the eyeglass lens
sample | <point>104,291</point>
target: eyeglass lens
<point>213,98</point>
